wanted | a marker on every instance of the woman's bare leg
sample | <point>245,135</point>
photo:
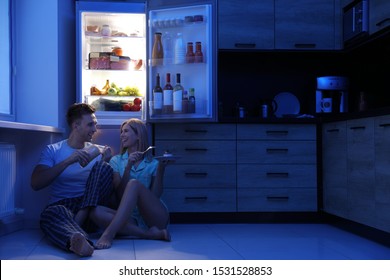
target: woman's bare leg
<point>150,207</point>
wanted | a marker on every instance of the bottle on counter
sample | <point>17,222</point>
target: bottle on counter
<point>198,52</point>
<point>157,51</point>
<point>157,96</point>
<point>180,52</point>
<point>191,101</point>
<point>190,55</point>
<point>167,96</point>
<point>178,96</point>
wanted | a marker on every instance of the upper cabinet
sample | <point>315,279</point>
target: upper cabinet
<point>278,24</point>
<point>305,24</point>
<point>246,25</point>
<point>379,15</point>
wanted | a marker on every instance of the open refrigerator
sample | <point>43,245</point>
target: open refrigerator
<point>116,70</point>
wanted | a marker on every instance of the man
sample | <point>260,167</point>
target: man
<point>75,190</point>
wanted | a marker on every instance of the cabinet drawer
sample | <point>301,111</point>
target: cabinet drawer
<point>202,152</point>
<point>281,199</point>
<point>276,176</point>
<point>200,176</point>
<point>276,132</point>
<point>195,131</point>
<point>280,152</point>
<point>200,200</point>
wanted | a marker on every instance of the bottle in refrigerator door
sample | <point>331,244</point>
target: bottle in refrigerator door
<point>157,96</point>
<point>180,51</point>
<point>198,52</point>
<point>168,96</point>
<point>190,55</point>
<point>178,96</point>
<point>158,50</point>
<point>191,101</point>
<point>168,48</point>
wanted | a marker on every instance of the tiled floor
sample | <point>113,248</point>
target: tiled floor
<point>215,242</point>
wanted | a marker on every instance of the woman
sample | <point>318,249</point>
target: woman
<point>137,180</point>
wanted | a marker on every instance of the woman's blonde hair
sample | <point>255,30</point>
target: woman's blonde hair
<point>141,131</point>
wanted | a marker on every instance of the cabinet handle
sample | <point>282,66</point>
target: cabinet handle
<point>357,127</point>
<point>384,125</point>
<point>274,198</point>
<point>195,131</point>
<point>245,45</point>
<point>305,46</point>
<point>277,132</point>
<point>382,22</point>
<point>271,150</point>
<point>196,149</point>
<point>277,174</point>
<point>196,198</point>
<point>196,174</point>
<point>333,130</point>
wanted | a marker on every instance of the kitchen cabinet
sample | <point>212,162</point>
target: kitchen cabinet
<point>382,174</point>
<point>204,178</point>
<point>334,168</point>
<point>360,170</point>
<point>248,25</point>
<point>305,24</point>
<point>276,167</point>
<point>278,24</point>
<point>356,183</point>
<point>379,15</point>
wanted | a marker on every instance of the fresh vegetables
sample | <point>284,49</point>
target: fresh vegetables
<point>134,105</point>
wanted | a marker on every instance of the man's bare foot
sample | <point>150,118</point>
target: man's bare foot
<point>104,242</point>
<point>159,234</point>
<point>80,246</point>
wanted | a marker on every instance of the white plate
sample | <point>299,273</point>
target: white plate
<point>288,104</point>
<point>169,158</point>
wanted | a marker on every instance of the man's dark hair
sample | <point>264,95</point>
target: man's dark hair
<point>77,110</point>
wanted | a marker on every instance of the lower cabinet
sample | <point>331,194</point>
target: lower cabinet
<point>356,164</point>
<point>203,179</point>
<point>276,167</point>
<point>239,167</point>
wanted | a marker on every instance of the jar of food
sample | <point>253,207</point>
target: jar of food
<point>106,30</point>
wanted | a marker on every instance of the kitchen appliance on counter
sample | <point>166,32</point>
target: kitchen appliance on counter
<point>334,88</point>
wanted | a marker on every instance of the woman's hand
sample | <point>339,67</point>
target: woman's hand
<point>134,157</point>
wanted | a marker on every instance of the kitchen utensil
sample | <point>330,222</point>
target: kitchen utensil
<point>287,104</point>
<point>148,149</point>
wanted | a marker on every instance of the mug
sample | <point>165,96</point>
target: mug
<point>326,105</point>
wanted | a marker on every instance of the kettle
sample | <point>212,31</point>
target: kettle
<point>268,108</point>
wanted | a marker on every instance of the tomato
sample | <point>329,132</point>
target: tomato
<point>135,107</point>
<point>126,107</point>
<point>137,101</point>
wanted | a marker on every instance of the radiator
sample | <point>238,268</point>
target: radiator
<point>7,179</point>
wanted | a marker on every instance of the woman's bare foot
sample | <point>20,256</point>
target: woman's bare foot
<point>80,245</point>
<point>159,234</point>
<point>104,242</point>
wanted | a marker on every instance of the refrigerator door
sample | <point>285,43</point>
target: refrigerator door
<point>111,58</point>
<point>181,29</point>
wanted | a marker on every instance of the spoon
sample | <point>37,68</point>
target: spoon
<point>149,148</point>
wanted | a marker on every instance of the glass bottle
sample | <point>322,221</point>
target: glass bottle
<point>178,96</point>
<point>180,52</point>
<point>157,96</point>
<point>168,96</point>
<point>157,51</point>
<point>168,51</point>
<point>106,30</point>
<point>190,55</point>
<point>191,101</point>
<point>198,52</point>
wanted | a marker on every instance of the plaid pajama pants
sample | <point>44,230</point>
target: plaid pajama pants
<point>57,219</point>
